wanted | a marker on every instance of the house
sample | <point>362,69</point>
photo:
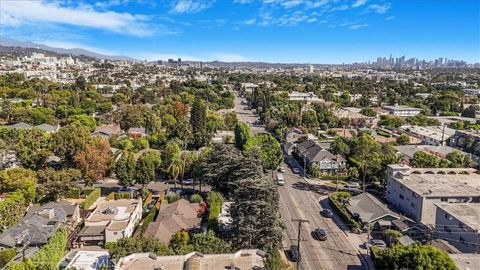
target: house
<point>248,87</point>
<point>313,153</point>
<point>137,132</point>
<point>39,224</point>
<point>107,131</point>
<point>242,259</point>
<point>402,111</point>
<point>111,220</point>
<point>174,217</point>
<point>354,116</point>
<point>368,210</point>
<point>290,139</point>
<point>459,224</point>
<point>415,191</point>
<point>222,136</point>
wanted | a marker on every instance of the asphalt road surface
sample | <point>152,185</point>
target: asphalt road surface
<point>300,200</point>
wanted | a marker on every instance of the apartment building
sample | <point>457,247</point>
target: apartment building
<point>402,111</point>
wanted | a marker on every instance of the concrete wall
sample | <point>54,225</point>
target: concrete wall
<point>456,233</point>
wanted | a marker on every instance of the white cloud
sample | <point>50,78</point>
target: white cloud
<point>380,9</point>
<point>389,18</point>
<point>357,26</point>
<point>359,3</point>
<point>250,22</point>
<point>291,3</point>
<point>243,1</point>
<point>229,57</point>
<point>315,4</point>
<point>191,6</point>
<point>17,13</point>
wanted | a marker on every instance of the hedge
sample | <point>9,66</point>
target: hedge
<point>215,201</point>
<point>73,193</point>
<point>12,209</point>
<point>48,257</point>
<point>347,219</point>
<point>6,256</point>
<point>91,198</point>
<point>149,218</point>
<point>110,196</point>
<point>147,200</point>
<point>123,195</point>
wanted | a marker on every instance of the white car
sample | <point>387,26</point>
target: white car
<point>280,179</point>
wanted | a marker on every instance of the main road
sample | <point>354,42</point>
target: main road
<point>300,200</point>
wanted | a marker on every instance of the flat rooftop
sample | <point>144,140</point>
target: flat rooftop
<point>400,108</point>
<point>468,213</point>
<point>444,185</point>
<point>242,259</point>
<point>466,261</point>
<point>113,210</point>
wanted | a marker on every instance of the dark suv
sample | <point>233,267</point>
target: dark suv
<point>320,234</point>
<point>294,254</point>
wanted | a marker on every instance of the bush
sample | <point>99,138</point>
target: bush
<point>6,256</point>
<point>172,197</point>
<point>12,209</point>
<point>334,200</point>
<point>73,193</point>
<point>195,198</point>
<point>48,256</point>
<point>123,195</point>
<point>149,218</point>
<point>110,196</point>
<point>147,200</point>
<point>215,201</point>
<point>91,198</point>
<point>274,261</point>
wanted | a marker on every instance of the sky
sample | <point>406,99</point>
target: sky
<point>287,31</point>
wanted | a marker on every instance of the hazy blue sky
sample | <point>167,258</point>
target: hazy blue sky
<point>324,31</point>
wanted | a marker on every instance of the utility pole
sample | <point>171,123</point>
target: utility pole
<point>300,221</point>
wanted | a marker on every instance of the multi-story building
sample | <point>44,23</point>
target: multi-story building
<point>431,135</point>
<point>402,111</point>
<point>111,220</point>
<point>471,92</point>
<point>309,96</point>
<point>459,224</point>
<point>466,139</point>
<point>415,191</point>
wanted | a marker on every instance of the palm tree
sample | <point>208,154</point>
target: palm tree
<point>174,169</point>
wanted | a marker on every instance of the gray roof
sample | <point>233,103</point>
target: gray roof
<point>314,152</point>
<point>47,127</point>
<point>369,208</point>
<point>467,213</point>
<point>136,130</point>
<point>38,225</point>
<point>21,125</point>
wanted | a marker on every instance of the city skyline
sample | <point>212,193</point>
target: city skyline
<point>286,31</point>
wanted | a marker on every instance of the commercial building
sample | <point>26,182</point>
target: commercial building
<point>402,111</point>
<point>111,220</point>
<point>459,224</point>
<point>415,191</point>
<point>242,259</point>
<point>308,96</point>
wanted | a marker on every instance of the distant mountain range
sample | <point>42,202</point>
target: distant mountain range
<point>73,51</point>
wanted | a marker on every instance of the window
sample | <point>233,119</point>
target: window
<point>401,196</point>
<point>462,240</point>
<point>447,229</point>
<point>413,205</point>
<point>444,199</point>
<point>115,233</point>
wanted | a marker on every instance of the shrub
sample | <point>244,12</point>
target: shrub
<point>6,256</point>
<point>334,200</point>
<point>91,198</point>
<point>147,200</point>
<point>215,201</point>
<point>149,218</point>
<point>12,209</point>
<point>123,195</point>
<point>110,196</point>
<point>73,193</point>
<point>274,261</point>
<point>195,198</point>
<point>172,197</point>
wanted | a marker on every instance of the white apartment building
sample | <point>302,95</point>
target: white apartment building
<point>402,111</point>
<point>415,191</point>
<point>471,92</point>
<point>431,135</point>
<point>308,96</point>
<point>459,224</point>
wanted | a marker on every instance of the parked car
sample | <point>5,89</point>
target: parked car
<point>281,169</point>
<point>327,213</point>
<point>375,243</point>
<point>320,234</point>
<point>296,170</point>
<point>280,179</point>
<point>294,254</point>
<point>353,185</point>
<point>187,181</point>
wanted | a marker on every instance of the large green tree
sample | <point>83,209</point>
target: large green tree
<point>242,134</point>
<point>33,147</point>
<point>57,183</point>
<point>70,140</point>
<point>269,150</point>
<point>125,169</point>
<point>366,154</point>
<point>147,166</point>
